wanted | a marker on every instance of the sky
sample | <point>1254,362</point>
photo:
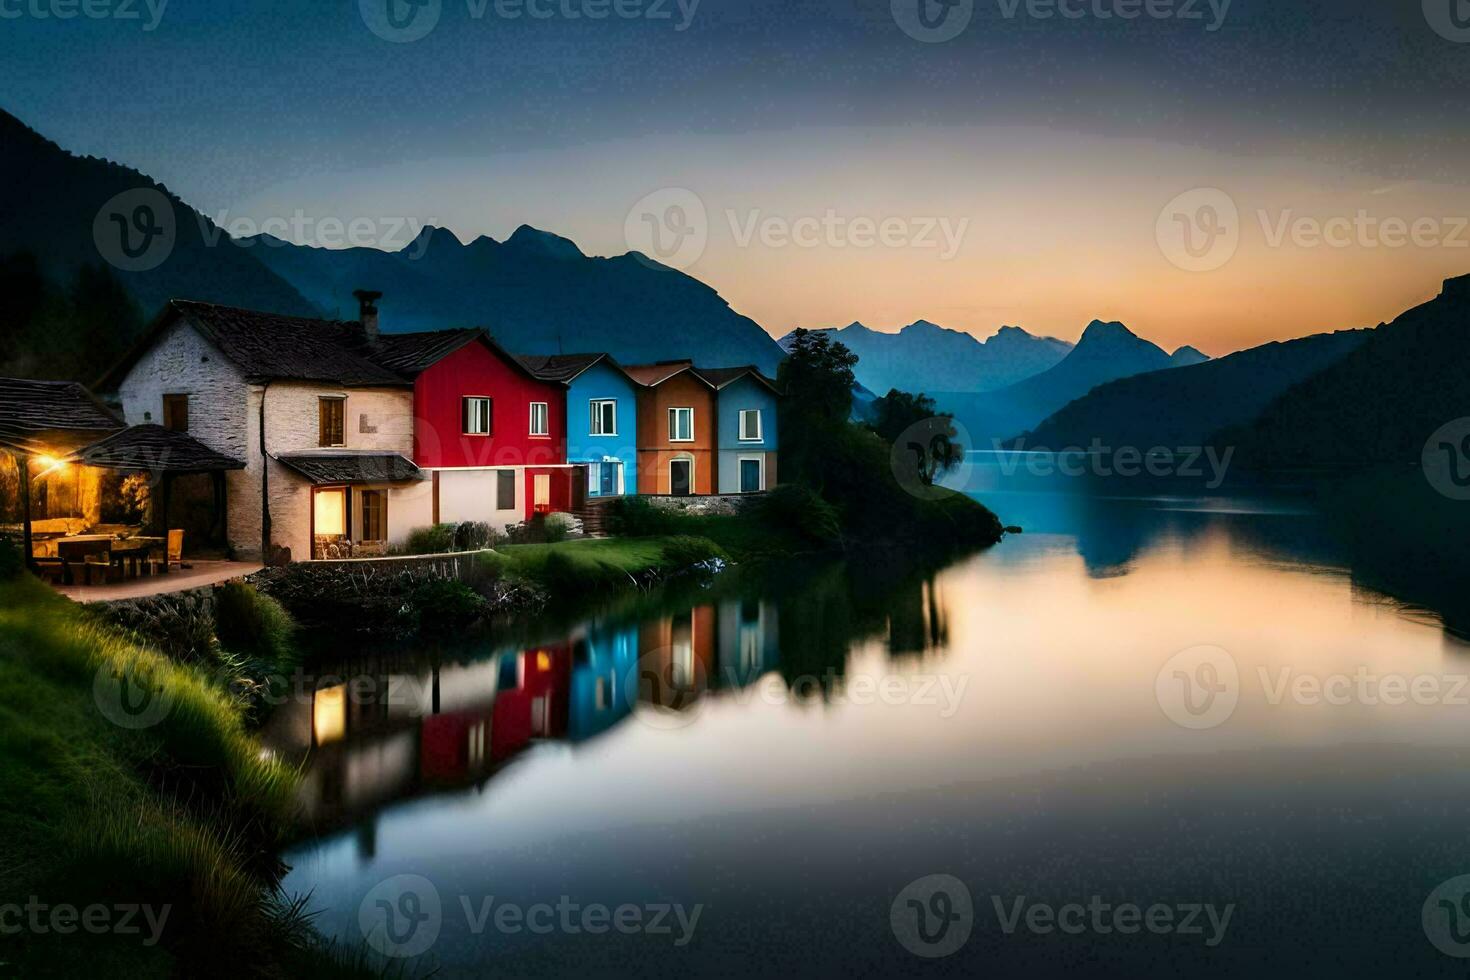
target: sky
<point>1211,173</point>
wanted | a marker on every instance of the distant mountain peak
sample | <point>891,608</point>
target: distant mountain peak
<point>1187,355</point>
<point>1097,330</point>
<point>545,242</point>
<point>1457,288</point>
<point>433,237</point>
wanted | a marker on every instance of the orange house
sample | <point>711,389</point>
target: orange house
<point>676,429</point>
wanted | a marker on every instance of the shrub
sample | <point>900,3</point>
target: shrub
<point>432,540</point>
<point>637,517</point>
<point>685,551</point>
<point>474,536</point>
<point>179,625</point>
<point>557,527</point>
<point>445,604</point>
<point>251,623</point>
<point>798,509</point>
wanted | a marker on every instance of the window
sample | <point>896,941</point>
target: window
<point>681,425</point>
<point>542,486</point>
<point>176,412</point>
<point>540,419</point>
<point>505,489</point>
<point>375,515</point>
<point>475,413</point>
<point>750,425</point>
<point>331,418</point>
<point>604,417</point>
<point>330,512</point>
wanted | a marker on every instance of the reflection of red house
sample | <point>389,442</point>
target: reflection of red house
<point>491,432</point>
<point>536,705</point>
<point>452,747</point>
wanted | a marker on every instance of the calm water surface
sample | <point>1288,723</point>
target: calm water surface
<point>788,752</point>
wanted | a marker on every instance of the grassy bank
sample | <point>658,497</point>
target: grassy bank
<point>109,798</point>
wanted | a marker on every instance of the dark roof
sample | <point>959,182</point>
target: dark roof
<point>410,354</point>
<point>563,368</point>
<point>270,346</point>
<point>37,415</point>
<point>155,449</point>
<point>347,467</point>
<point>656,374</point>
<point>720,377</point>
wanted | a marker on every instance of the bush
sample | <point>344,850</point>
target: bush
<point>446,604</point>
<point>637,517</point>
<point>433,540</point>
<point>474,536</point>
<point>557,527</point>
<point>251,623</point>
<point>179,625</point>
<point>798,509</point>
<point>685,551</point>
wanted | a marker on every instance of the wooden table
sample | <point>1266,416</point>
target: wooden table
<point>119,552</point>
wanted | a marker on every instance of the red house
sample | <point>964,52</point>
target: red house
<point>490,431</point>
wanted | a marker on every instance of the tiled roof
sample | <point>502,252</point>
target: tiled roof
<point>349,467</point>
<point>720,377</point>
<point>558,367</point>
<point>34,415</point>
<point>270,347</point>
<point>156,449</point>
<point>653,374</point>
<point>410,354</point>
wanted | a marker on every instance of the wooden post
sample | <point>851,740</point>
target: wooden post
<point>217,526</point>
<point>23,470</point>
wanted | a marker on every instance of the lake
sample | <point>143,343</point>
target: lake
<point>1154,733</point>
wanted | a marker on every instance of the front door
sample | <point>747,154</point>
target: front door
<point>681,477</point>
<point>609,479</point>
<point>751,476</point>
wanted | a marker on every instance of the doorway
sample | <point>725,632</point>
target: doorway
<point>681,477</point>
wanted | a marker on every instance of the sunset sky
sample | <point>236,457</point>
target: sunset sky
<point>1053,150</point>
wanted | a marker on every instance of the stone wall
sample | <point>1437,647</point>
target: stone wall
<point>729,503</point>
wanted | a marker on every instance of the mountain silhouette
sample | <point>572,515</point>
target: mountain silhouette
<point>1185,406</point>
<point>536,292</point>
<point>1379,404</point>
<point>1106,352</point>
<point>925,357</point>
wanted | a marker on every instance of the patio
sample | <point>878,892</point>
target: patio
<point>201,572</point>
<point>96,505</point>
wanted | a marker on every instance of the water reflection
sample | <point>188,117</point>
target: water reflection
<point>385,726</point>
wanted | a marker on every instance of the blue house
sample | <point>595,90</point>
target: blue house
<point>746,436</point>
<point>602,420</point>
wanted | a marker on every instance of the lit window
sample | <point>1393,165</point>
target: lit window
<point>681,425</point>
<point>540,419</point>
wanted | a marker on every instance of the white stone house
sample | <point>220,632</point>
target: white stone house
<point>326,432</point>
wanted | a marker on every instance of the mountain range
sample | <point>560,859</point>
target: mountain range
<point>1105,352</point>
<point>536,292</point>
<point>924,357</point>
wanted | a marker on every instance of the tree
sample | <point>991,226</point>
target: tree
<point>919,432</point>
<point>816,381</point>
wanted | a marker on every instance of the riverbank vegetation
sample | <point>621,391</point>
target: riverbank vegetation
<point>129,781</point>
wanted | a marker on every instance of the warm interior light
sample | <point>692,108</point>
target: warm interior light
<point>543,661</point>
<point>329,714</point>
<point>331,512</point>
<point>48,464</point>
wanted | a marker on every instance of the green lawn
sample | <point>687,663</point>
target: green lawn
<point>178,813</point>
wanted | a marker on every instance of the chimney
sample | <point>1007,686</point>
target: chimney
<point>367,302</point>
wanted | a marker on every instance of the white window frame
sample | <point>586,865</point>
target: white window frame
<point>596,405</point>
<point>673,414</point>
<point>739,461</point>
<point>545,419</point>
<point>489,413</point>
<point>759,425</point>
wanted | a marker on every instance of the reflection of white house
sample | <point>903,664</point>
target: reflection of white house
<point>326,432</point>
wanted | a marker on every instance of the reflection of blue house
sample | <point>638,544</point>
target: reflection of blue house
<point>748,632</point>
<point>602,422</point>
<point>746,439</point>
<point>603,665</point>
